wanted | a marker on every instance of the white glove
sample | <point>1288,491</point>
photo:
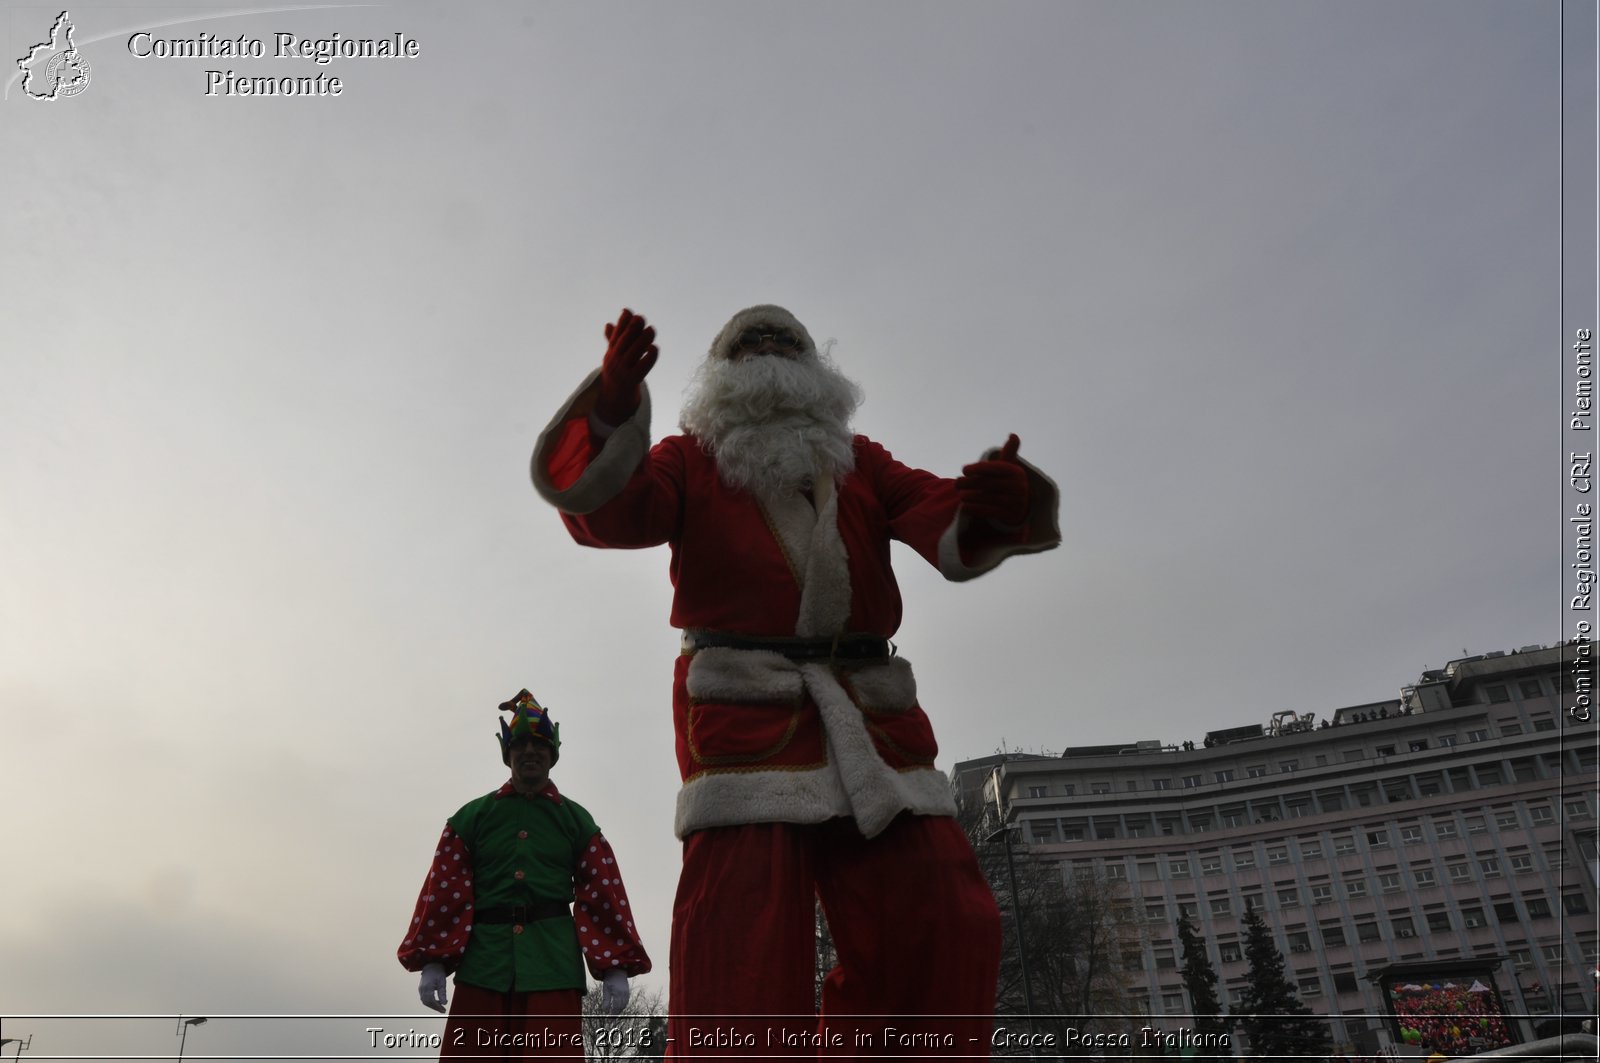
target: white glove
<point>431,990</point>
<point>614,992</point>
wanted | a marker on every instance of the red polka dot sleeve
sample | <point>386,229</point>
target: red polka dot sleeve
<point>442,922</point>
<point>605,922</point>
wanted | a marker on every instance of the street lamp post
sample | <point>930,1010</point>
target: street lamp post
<point>183,1031</point>
<point>1016,902</point>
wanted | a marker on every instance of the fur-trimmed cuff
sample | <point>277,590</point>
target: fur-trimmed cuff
<point>1043,529</point>
<point>608,470</point>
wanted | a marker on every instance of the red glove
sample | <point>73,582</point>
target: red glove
<point>630,352</point>
<point>997,489</point>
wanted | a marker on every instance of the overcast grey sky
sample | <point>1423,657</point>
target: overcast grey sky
<point>1270,288</point>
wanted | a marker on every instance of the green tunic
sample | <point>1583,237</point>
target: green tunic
<point>524,850</point>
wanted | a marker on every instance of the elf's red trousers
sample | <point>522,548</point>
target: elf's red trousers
<point>911,916</point>
<point>488,1025</point>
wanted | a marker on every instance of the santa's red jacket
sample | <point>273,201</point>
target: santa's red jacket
<point>760,737</point>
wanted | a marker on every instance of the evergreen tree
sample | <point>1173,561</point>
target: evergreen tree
<point>1200,979</point>
<point>1279,1026</point>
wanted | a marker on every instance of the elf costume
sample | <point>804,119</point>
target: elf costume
<point>524,889</point>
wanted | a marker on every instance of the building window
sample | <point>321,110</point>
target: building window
<point>1191,781</point>
<point>1521,863</point>
<point>1344,982</point>
<point>1253,902</point>
<point>1256,772</point>
<point>1225,776</point>
<point>1410,835</point>
<point>1543,723</point>
<point>1310,987</point>
<point>1552,953</point>
<point>1310,850</point>
<point>1438,922</point>
<point>1497,693</point>
<point>1069,789</point>
<point>1447,740</point>
<point>1403,926</point>
<point>1288,765</point>
<point>1343,845</point>
<point>1529,688</point>
<point>1278,854</point>
<point>1230,952</point>
<point>1178,868</point>
<point>1488,776</point>
<point>1232,819</point>
<point>1505,912</point>
<point>1460,873</point>
<point>1476,825</point>
<point>1521,959</point>
<point>1510,730</point>
<point>1355,887</point>
<point>1211,865</point>
<point>1479,735</point>
<point>1172,1003</point>
<point>1538,907</point>
<point>1165,960</point>
<point>1298,810</point>
<point>1100,788</point>
<point>1117,872</point>
<point>1541,815</point>
<point>1385,751</point>
<point>1472,917</point>
<point>1156,912</point>
<point>1389,882</point>
<point>1444,828</point>
<point>1221,906</point>
<point>1161,784</point>
<point>1243,860</point>
<point>1038,791</point>
<point>1367,933</point>
<point>1044,832</point>
<point>1417,745</point>
<point>1425,877</point>
<point>1577,809</point>
<point>1351,755</point>
<point>1489,866</point>
<point>1378,839</point>
<point>1573,903</point>
<point>1333,936</point>
<point>1321,893</point>
<point>1506,819</point>
<point>1289,898</point>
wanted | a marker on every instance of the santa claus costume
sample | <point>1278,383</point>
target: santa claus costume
<point>807,760</point>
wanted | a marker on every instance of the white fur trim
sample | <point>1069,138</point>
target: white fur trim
<point>724,674</point>
<point>885,687</point>
<point>621,455</point>
<point>1044,529</point>
<point>825,591</point>
<point>854,782</point>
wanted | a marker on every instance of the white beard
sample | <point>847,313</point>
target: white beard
<point>774,424</point>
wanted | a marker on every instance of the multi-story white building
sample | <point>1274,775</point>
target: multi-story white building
<point>1456,822</point>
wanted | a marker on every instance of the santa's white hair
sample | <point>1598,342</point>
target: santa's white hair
<point>775,423</point>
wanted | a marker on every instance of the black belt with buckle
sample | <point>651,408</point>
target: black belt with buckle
<point>835,647</point>
<point>521,913</point>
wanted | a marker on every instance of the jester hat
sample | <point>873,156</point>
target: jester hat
<point>529,719</point>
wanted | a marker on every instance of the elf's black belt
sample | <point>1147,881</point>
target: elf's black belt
<point>520,913</point>
<point>836,647</point>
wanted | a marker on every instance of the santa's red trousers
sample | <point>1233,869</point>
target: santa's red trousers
<point>485,1024</point>
<point>911,917</point>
